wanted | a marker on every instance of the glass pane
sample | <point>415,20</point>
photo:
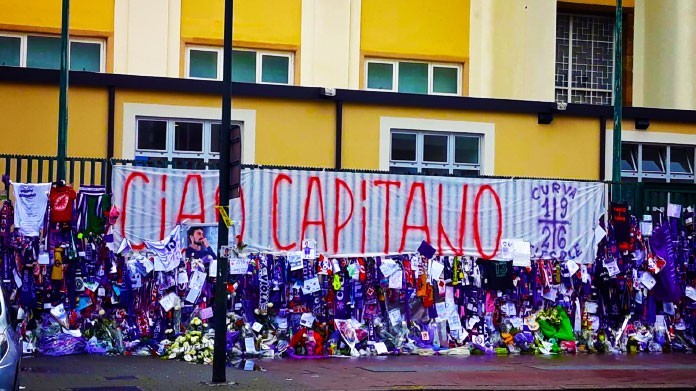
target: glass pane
<point>413,77</point>
<point>435,148</point>
<point>9,51</point>
<point>85,56</point>
<point>203,64</point>
<point>681,160</point>
<point>188,163</point>
<point>468,173</point>
<point>435,171</point>
<point>380,76</point>
<point>653,159</point>
<point>403,147</point>
<point>629,156</point>
<point>213,164</point>
<point>43,52</point>
<point>466,149</point>
<point>403,170</point>
<point>188,136</point>
<point>244,66</point>
<point>215,137</point>
<point>275,69</point>
<point>445,80</point>
<point>150,161</point>
<point>152,135</point>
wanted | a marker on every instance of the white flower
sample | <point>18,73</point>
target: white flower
<point>188,358</point>
<point>172,356</point>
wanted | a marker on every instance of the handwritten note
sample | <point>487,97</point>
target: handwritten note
<point>197,280</point>
<point>295,260</point>
<point>522,254</point>
<point>674,210</point>
<point>648,280</point>
<point>192,295</point>
<point>395,316</point>
<point>395,280</point>
<point>613,268</point>
<point>454,321</point>
<point>572,267</point>
<point>388,267</point>
<point>239,265</point>
<point>169,301</point>
<point>206,313</point>
<point>249,345</point>
<point>436,269</point>
<point>307,319</point>
<point>311,285</point>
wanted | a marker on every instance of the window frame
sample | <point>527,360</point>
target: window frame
<point>171,152</point>
<point>22,46</point>
<point>431,65</point>
<point>666,176</point>
<point>23,52</point>
<point>451,165</point>
<point>568,88</point>
<point>218,66</point>
<point>259,58</point>
<point>102,50</point>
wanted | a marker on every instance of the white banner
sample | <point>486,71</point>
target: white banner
<point>368,213</point>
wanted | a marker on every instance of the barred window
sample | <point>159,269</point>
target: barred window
<point>584,59</point>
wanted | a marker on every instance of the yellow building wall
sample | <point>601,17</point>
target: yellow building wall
<point>30,120</point>
<point>89,15</point>
<point>295,133</point>
<point>266,22</point>
<point>567,148</point>
<point>413,28</point>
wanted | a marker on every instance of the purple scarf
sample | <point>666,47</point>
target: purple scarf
<point>667,288</point>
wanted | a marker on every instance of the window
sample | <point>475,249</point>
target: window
<point>657,162</point>
<point>248,66</point>
<point>435,153</point>
<point>179,140</point>
<point>584,59</point>
<point>43,51</point>
<point>413,77</point>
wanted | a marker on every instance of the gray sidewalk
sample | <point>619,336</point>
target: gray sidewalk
<point>572,372</point>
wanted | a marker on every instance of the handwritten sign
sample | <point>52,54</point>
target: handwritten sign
<point>358,213</point>
<point>674,210</point>
<point>239,265</point>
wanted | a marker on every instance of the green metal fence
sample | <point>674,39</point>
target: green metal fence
<point>645,197</point>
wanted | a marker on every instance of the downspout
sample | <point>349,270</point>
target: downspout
<point>602,147</point>
<point>339,135</point>
<point>110,136</point>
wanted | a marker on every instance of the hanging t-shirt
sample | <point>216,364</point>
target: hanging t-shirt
<point>496,275</point>
<point>31,200</point>
<point>92,203</point>
<point>168,251</point>
<point>61,200</point>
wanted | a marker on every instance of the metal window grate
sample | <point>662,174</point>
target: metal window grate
<point>584,59</point>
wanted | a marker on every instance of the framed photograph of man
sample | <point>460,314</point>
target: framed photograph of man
<point>200,240</point>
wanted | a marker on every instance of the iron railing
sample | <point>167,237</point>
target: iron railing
<point>641,197</point>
